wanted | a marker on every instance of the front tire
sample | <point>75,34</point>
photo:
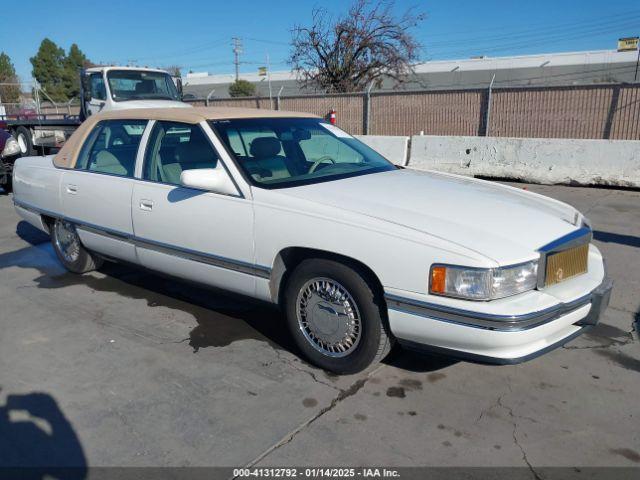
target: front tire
<point>336,316</point>
<point>70,250</point>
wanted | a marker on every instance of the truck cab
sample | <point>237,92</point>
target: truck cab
<point>118,88</point>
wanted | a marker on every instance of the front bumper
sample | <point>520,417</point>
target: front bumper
<point>494,339</point>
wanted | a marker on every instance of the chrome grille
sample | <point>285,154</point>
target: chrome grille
<point>566,264</point>
<point>564,258</point>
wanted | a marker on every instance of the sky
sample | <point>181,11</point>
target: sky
<point>196,34</point>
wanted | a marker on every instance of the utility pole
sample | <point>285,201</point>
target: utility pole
<point>237,50</point>
<point>269,80</point>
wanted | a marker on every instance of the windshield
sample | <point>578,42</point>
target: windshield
<point>287,152</point>
<point>141,85</point>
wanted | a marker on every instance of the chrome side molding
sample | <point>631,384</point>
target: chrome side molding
<point>201,257</point>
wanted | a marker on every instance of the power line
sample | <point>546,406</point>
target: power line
<point>539,41</point>
<point>531,29</point>
<point>187,51</point>
<point>272,42</point>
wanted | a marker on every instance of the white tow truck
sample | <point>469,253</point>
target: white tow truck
<point>101,89</point>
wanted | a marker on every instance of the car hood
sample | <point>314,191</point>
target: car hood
<point>502,223</point>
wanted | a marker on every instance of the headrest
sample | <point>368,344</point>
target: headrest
<point>265,147</point>
<point>107,162</point>
<point>194,152</point>
<point>145,86</point>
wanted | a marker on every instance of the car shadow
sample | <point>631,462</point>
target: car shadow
<point>37,440</point>
<point>222,317</point>
<point>418,362</point>
<point>609,237</point>
<point>31,234</point>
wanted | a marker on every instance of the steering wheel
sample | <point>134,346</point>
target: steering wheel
<point>317,163</point>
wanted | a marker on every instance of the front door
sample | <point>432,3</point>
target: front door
<point>96,195</point>
<point>194,234</point>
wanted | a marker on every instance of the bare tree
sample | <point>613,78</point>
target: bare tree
<point>348,53</point>
<point>174,70</point>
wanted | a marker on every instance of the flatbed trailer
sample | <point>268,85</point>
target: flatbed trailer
<point>41,133</point>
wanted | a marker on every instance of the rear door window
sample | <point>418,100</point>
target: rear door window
<point>112,147</point>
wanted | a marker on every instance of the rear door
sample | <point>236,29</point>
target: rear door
<point>96,195</point>
<point>194,234</point>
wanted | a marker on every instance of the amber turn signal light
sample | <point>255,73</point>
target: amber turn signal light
<point>438,277</point>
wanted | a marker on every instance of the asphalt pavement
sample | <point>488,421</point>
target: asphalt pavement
<point>122,367</point>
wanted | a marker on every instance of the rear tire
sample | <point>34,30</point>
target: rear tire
<point>336,316</point>
<point>70,250</point>
<point>23,137</point>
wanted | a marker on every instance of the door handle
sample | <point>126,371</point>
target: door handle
<point>146,205</point>
<point>72,189</point>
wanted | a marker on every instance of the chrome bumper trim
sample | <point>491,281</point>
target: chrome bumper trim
<point>486,359</point>
<point>598,298</point>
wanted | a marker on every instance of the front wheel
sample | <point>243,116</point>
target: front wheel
<point>70,250</point>
<point>336,316</point>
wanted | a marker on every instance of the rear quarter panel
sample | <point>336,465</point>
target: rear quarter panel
<point>36,183</point>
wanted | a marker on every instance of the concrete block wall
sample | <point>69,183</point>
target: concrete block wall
<point>395,149</point>
<point>535,160</point>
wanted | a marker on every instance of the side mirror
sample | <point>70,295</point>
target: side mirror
<point>212,179</point>
<point>179,87</point>
<point>85,86</point>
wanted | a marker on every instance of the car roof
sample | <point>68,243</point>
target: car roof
<point>66,157</point>
<point>198,114</point>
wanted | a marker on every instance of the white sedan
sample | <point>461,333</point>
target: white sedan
<point>287,208</point>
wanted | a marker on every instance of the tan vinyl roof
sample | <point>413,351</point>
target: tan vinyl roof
<point>66,157</point>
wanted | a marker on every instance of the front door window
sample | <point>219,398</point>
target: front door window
<point>176,147</point>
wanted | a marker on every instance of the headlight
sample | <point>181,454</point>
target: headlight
<point>483,283</point>
<point>11,147</point>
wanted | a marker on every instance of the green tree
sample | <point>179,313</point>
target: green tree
<point>8,93</point>
<point>74,61</point>
<point>242,88</point>
<point>49,69</point>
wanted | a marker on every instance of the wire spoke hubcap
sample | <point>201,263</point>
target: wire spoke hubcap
<point>328,316</point>
<point>67,240</point>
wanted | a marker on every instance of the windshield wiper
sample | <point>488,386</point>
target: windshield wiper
<point>144,97</point>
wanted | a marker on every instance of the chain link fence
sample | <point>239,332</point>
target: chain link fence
<point>610,111</point>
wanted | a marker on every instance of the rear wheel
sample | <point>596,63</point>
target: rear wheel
<point>69,249</point>
<point>23,137</point>
<point>336,316</point>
